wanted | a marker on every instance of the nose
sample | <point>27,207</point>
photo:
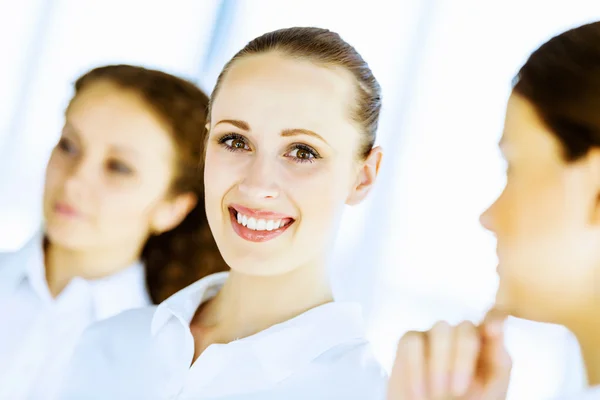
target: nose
<point>260,181</point>
<point>76,178</point>
<point>486,218</point>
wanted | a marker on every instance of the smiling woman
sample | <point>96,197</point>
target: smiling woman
<point>291,141</point>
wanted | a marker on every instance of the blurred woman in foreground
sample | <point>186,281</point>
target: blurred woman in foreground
<point>547,224</point>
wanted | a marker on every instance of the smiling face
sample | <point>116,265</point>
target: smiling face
<point>546,221</point>
<point>108,178</point>
<point>281,162</point>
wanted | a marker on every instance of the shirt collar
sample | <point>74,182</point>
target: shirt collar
<point>282,348</point>
<point>110,295</point>
<point>121,291</point>
<point>183,304</point>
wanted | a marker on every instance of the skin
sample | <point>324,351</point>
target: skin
<point>547,225</point>
<point>104,193</point>
<point>281,139</point>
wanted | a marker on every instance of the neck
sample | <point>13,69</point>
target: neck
<point>63,264</point>
<point>249,304</point>
<point>587,332</point>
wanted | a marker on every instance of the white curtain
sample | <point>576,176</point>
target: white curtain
<point>414,252</point>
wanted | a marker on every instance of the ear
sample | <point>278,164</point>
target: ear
<point>593,159</point>
<point>172,212</point>
<point>367,174</point>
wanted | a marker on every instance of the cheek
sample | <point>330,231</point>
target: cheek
<point>221,172</point>
<point>540,232</point>
<point>54,176</point>
<point>125,203</point>
<point>320,194</point>
<point>536,210</point>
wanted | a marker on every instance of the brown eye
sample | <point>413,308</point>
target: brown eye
<point>119,167</point>
<point>234,142</point>
<point>238,144</point>
<point>302,153</point>
<point>66,146</point>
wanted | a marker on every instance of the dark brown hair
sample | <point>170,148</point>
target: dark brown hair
<point>327,49</point>
<point>176,258</point>
<point>562,80</point>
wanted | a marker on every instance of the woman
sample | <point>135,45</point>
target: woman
<point>547,223</point>
<point>291,138</point>
<point>124,221</point>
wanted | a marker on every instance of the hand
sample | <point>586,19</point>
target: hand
<point>453,362</point>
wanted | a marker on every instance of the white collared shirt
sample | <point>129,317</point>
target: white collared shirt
<point>592,393</point>
<point>146,354</point>
<point>38,333</point>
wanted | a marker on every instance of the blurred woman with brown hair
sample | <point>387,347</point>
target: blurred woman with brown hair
<point>125,224</point>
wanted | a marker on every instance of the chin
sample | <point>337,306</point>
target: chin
<point>527,307</point>
<point>65,236</point>
<point>260,264</point>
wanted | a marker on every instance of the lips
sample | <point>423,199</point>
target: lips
<point>258,225</point>
<point>66,210</point>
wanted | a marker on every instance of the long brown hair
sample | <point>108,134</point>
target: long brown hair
<point>176,258</point>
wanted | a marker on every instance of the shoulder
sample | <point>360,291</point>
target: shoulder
<point>349,371</point>
<point>108,351</point>
<point>8,257</point>
<point>129,328</point>
<point>13,263</point>
<point>30,247</point>
<point>592,393</point>
<point>358,368</point>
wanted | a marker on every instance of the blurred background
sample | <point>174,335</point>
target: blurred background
<point>414,253</point>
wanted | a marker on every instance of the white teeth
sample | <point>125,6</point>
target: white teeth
<point>258,224</point>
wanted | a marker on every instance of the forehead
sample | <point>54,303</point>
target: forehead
<point>104,114</point>
<point>524,129</point>
<point>277,91</point>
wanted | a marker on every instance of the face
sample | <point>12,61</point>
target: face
<point>281,162</point>
<point>108,178</point>
<point>545,221</point>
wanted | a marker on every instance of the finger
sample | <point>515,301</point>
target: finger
<point>496,363</point>
<point>398,382</point>
<point>494,354</point>
<point>467,344</point>
<point>494,321</point>
<point>439,359</point>
<point>407,381</point>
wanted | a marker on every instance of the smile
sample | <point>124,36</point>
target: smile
<point>258,226</point>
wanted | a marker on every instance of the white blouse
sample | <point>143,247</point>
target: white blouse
<point>592,393</point>
<point>38,333</point>
<point>146,354</point>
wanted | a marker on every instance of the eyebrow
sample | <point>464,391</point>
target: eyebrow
<point>296,132</point>
<point>243,125</point>
<point>69,127</point>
